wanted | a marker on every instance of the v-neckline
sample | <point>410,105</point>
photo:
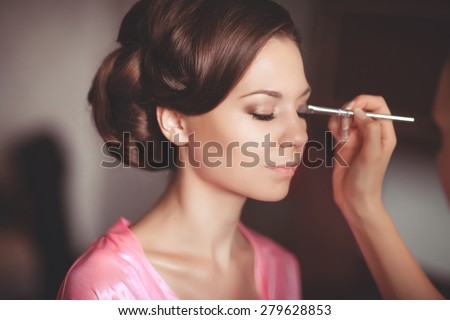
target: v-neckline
<point>258,270</point>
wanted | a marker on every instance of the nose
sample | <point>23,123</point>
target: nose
<point>294,133</point>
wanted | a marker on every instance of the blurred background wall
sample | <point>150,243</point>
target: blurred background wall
<point>55,199</point>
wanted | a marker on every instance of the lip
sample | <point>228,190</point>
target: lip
<point>284,170</point>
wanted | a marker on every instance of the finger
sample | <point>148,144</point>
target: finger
<point>334,126</point>
<point>345,128</point>
<point>347,121</point>
<point>371,136</point>
<point>369,103</point>
<point>377,104</point>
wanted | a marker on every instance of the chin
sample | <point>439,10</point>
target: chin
<point>271,194</point>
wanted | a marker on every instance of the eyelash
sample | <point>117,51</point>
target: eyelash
<point>264,117</point>
<point>271,116</point>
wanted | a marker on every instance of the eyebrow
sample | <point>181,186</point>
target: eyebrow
<point>276,94</point>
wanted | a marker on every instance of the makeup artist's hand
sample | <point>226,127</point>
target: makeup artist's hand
<point>357,187</point>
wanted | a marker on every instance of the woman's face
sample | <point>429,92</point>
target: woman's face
<point>251,143</point>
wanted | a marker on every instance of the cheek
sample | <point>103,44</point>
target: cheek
<point>232,158</point>
<point>233,139</point>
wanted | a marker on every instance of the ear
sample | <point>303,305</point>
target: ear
<point>173,125</point>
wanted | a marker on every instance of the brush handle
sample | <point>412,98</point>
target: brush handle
<point>344,113</point>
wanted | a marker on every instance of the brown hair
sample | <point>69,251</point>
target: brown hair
<point>186,55</point>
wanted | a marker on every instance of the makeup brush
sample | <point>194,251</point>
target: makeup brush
<point>309,109</point>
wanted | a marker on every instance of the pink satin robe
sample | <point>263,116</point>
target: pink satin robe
<point>115,267</point>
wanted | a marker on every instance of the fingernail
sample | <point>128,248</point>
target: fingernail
<point>350,106</point>
<point>360,114</point>
<point>345,126</point>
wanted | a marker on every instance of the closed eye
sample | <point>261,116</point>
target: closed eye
<point>264,117</point>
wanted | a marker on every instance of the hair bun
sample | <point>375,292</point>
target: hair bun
<point>131,26</point>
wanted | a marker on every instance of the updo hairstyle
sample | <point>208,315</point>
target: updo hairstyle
<point>186,55</point>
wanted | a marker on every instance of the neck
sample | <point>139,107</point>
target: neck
<point>196,217</point>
